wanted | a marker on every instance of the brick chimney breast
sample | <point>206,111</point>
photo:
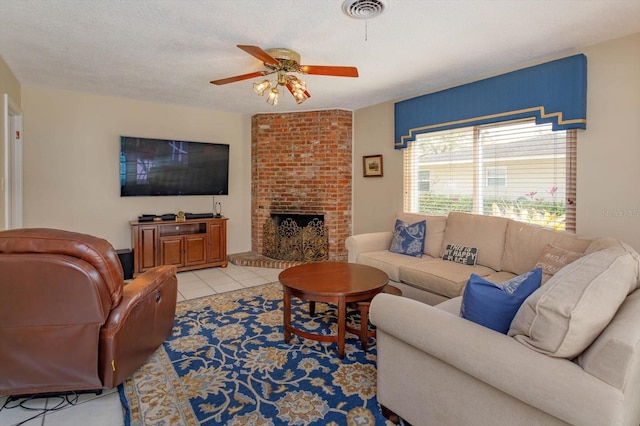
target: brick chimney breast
<point>301,164</point>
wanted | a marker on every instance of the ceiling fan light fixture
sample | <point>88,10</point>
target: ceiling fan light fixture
<point>261,87</point>
<point>299,94</point>
<point>272,97</point>
<point>297,88</point>
<point>282,78</point>
<point>296,83</point>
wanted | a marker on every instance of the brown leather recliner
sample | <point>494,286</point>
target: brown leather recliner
<point>68,322</point>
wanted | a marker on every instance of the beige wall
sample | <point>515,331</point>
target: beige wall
<point>608,151</point>
<point>376,200</point>
<point>71,162</point>
<point>9,85</point>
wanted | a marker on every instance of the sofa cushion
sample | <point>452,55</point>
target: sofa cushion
<point>553,258</point>
<point>495,305</point>
<point>389,262</point>
<point>460,254</point>
<point>408,238</point>
<point>524,243</point>
<point>602,243</point>
<point>440,276</point>
<point>486,233</point>
<point>499,277</point>
<point>566,314</point>
<point>435,230</point>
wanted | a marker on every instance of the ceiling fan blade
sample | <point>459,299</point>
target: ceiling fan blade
<point>329,70</point>
<point>240,77</point>
<point>260,54</point>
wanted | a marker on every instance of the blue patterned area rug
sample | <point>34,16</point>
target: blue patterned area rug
<point>226,363</point>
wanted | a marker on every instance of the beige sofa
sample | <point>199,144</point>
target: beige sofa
<point>571,356</point>
<point>506,248</point>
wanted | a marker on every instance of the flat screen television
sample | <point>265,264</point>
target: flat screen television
<point>151,167</point>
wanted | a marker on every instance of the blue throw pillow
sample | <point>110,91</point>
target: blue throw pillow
<point>409,238</point>
<point>495,305</point>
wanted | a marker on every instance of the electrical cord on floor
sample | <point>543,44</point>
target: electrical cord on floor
<point>66,400</point>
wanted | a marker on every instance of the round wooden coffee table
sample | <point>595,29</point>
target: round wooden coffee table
<point>337,283</point>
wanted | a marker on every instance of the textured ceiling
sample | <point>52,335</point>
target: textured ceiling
<point>168,50</point>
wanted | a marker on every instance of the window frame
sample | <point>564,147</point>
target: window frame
<point>503,177</point>
<point>564,218</point>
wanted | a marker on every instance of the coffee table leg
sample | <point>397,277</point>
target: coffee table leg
<point>287,316</point>
<point>312,309</point>
<point>364,325</point>
<point>342,325</point>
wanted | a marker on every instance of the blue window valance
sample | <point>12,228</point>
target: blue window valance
<point>554,92</point>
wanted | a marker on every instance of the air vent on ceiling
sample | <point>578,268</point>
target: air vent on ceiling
<point>364,9</point>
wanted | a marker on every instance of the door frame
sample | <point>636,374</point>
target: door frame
<point>12,176</point>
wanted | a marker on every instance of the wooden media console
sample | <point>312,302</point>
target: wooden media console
<point>191,244</point>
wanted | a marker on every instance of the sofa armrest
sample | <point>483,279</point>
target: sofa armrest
<point>364,243</point>
<point>549,384</point>
<point>139,324</point>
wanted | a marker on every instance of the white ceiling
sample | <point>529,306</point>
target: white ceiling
<point>168,50</point>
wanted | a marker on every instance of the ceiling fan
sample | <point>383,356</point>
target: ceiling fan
<point>283,61</point>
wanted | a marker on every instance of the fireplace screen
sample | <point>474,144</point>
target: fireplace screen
<point>296,237</point>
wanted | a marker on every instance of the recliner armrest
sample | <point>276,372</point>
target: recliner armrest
<point>547,383</point>
<point>139,324</point>
<point>138,289</point>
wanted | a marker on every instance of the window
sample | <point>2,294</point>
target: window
<point>424,184</point>
<point>497,176</point>
<point>466,170</point>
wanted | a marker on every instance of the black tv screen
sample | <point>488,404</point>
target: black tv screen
<point>170,167</point>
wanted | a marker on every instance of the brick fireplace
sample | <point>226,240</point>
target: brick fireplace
<point>301,164</point>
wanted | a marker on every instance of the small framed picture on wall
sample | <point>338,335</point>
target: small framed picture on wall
<point>372,165</point>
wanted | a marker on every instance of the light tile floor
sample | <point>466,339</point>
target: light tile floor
<point>105,409</point>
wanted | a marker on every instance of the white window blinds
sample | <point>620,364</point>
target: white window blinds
<point>513,169</point>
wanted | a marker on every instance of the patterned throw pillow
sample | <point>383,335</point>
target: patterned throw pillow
<point>409,238</point>
<point>460,254</point>
<point>553,259</point>
<point>495,305</point>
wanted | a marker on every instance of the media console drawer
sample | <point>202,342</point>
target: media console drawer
<point>192,244</point>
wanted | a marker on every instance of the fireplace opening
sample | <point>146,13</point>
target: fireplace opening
<point>299,237</point>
